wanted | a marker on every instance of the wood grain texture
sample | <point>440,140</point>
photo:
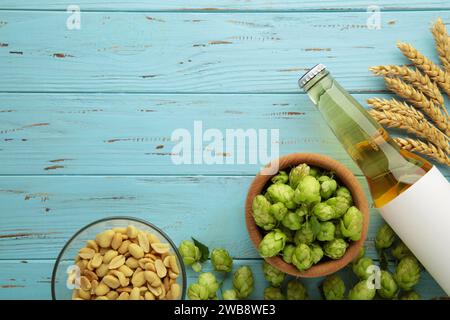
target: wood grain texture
<point>30,279</point>
<point>258,5</point>
<point>39,214</point>
<point>130,133</point>
<point>200,52</point>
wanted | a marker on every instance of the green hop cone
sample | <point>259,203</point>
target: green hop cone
<point>362,291</point>
<point>305,234</point>
<point>190,252</point>
<point>327,188</point>
<point>316,253</point>
<point>326,232</point>
<point>389,287</point>
<point>314,172</point>
<point>261,213</point>
<point>229,294</point>
<point>323,211</point>
<point>335,249</point>
<point>288,251</point>
<point>272,243</point>
<point>221,260</point>
<point>272,293</point>
<point>340,206</point>
<point>400,250</point>
<point>385,237</point>
<point>410,295</point>
<point>297,174</point>
<point>333,288</point>
<point>407,273</point>
<point>302,257</point>
<point>351,224</point>
<point>197,291</point>
<point>308,191</point>
<point>209,281</point>
<point>281,177</point>
<point>345,193</point>
<point>278,210</point>
<point>281,193</point>
<point>295,290</point>
<point>292,221</point>
<point>243,282</point>
<point>273,275</point>
<point>360,268</point>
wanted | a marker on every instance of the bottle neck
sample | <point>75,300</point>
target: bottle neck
<point>363,138</point>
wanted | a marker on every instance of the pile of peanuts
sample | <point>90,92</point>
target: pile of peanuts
<point>126,264</point>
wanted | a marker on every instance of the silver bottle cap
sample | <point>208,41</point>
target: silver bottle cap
<point>310,74</point>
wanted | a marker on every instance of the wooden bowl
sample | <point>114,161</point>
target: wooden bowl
<point>345,177</point>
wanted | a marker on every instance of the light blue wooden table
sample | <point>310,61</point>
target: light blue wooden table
<point>86,115</point>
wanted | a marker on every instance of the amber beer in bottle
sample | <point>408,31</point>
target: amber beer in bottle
<point>412,195</point>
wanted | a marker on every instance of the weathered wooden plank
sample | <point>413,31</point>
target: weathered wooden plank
<point>259,5</point>
<point>39,214</point>
<point>30,279</point>
<point>200,52</point>
<point>131,134</point>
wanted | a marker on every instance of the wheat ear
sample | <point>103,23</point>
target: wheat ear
<point>419,100</point>
<point>427,149</point>
<point>442,43</point>
<point>419,80</point>
<point>436,74</point>
<point>422,129</point>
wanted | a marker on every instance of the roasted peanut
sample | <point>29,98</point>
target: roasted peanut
<point>136,251</point>
<point>104,238</point>
<point>117,262</point>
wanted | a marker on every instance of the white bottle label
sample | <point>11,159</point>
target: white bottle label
<point>421,218</point>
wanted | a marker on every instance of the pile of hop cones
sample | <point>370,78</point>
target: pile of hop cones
<point>421,111</point>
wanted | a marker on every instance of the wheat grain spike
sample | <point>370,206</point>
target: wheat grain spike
<point>438,75</point>
<point>442,42</point>
<point>427,149</point>
<point>422,129</point>
<point>413,76</point>
<point>419,100</point>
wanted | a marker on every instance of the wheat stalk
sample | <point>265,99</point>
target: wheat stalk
<point>411,124</point>
<point>419,100</point>
<point>436,74</point>
<point>442,43</point>
<point>427,149</point>
<point>421,81</point>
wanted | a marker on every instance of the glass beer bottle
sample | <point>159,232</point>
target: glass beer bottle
<point>411,194</point>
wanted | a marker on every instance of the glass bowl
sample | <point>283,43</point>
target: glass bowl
<point>66,258</point>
